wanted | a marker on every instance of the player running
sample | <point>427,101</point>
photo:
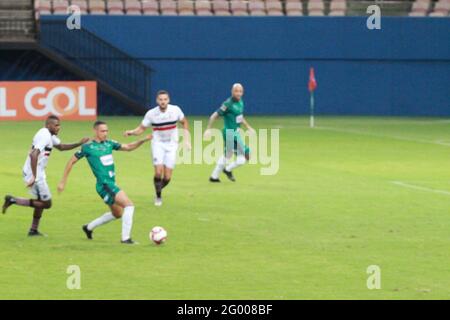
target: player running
<point>34,171</point>
<point>163,120</point>
<point>232,111</point>
<point>98,153</point>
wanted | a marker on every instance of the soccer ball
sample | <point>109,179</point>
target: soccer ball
<point>158,235</point>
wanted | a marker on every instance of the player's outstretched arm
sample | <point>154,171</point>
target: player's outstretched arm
<point>247,125</point>
<point>212,118</point>
<point>134,145</point>
<point>70,146</point>
<point>67,170</point>
<point>135,132</point>
<point>186,134</point>
<point>34,156</point>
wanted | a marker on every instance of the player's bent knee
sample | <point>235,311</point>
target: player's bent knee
<point>159,170</point>
<point>123,203</point>
<point>127,202</point>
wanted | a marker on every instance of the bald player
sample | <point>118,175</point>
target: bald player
<point>34,171</point>
<point>232,111</point>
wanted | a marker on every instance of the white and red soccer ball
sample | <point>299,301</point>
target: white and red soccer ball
<point>158,235</point>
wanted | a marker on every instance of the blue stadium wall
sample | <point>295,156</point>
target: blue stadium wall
<point>402,69</point>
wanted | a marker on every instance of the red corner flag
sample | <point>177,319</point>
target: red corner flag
<point>312,84</point>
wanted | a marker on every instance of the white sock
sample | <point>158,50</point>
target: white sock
<point>219,167</point>
<point>127,222</point>
<point>107,217</point>
<point>240,160</point>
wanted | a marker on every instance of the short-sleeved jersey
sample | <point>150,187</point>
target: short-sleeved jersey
<point>44,141</point>
<point>232,112</point>
<point>100,159</point>
<point>164,124</point>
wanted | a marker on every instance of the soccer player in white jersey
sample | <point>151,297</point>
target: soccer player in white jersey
<point>34,171</point>
<point>163,119</point>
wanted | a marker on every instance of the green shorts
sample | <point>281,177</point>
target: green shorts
<point>107,191</point>
<point>235,144</point>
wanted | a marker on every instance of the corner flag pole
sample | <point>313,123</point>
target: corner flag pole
<point>312,85</point>
<point>311,106</point>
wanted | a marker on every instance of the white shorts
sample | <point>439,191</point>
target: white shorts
<point>40,190</point>
<point>164,153</point>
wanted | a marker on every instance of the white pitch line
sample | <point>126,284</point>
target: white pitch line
<point>415,187</point>
<point>408,122</point>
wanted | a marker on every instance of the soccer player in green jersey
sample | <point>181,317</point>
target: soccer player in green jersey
<point>98,153</point>
<point>232,111</point>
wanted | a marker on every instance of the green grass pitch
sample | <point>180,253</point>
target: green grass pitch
<point>351,193</point>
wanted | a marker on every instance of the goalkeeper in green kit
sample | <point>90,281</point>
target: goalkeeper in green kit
<point>98,153</point>
<point>232,111</point>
